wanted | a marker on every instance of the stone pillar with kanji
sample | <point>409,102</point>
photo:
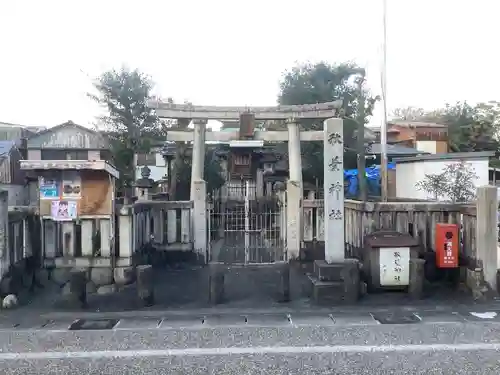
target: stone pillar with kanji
<point>335,279</point>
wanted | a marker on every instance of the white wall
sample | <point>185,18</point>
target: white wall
<point>427,146</point>
<point>408,174</point>
<point>158,171</point>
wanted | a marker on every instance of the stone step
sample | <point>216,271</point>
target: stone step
<point>326,292</point>
<point>330,272</point>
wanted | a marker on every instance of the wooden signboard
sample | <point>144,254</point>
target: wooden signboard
<point>90,191</point>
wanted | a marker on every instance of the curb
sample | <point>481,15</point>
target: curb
<point>267,311</point>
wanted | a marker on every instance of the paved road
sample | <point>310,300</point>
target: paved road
<point>425,342</point>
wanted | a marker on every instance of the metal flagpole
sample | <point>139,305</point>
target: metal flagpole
<point>383,128</point>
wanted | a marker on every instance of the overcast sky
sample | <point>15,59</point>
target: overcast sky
<point>229,52</point>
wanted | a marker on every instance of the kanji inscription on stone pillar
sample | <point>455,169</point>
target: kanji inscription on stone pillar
<point>334,190</point>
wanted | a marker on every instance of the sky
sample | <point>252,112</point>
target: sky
<point>227,52</point>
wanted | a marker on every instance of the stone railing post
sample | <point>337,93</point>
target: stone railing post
<point>487,233</point>
<point>200,220</point>
<point>87,234</point>
<point>126,232</point>
<point>159,225</point>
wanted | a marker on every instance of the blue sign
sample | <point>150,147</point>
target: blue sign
<point>49,189</point>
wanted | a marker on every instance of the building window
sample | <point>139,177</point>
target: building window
<point>64,155</point>
<point>77,155</point>
<point>105,155</point>
<point>146,159</point>
<point>242,160</point>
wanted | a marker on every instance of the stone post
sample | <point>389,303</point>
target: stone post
<point>334,190</point>
<point>294,157</point>
<point>216,284</point>
<point>198,158</point>
<point>293,219</point>
<point>78,288</point>
<point>417,277</point>
<point>281,194</point>
<point>294,192</point>
<point>200,220</point>
<point>335,279</point>
<point>284,273</point>
<point>145,284</point>
<point>487,232</point>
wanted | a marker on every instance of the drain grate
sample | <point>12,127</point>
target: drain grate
<point>95,324</point>
<point>401,318</point>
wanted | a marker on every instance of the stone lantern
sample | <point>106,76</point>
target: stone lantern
<point>144,185</point>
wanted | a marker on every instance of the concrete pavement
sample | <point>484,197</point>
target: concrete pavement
<point>382,342</point>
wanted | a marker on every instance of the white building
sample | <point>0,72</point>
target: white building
<point>411,170</point>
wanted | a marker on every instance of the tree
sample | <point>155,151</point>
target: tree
<point>455,183</point>
<point>460,187</point>
<point>133,127</point>
<point>129,123</point>
<point>323,82</point>
<point>433,184</point>
<point>408,114</point>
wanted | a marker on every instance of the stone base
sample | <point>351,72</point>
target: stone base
<point>335,282</point>
<point>78,288</point>
<point>216,284</point>
<point>219,272</point>
<point>145,285</point>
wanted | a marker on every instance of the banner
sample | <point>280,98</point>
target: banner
<point>71,186</point>
<point>64,210</point>
<point>49,189</point>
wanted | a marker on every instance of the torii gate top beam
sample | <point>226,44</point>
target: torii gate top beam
<point>188,111</point>
<point>269,136</point>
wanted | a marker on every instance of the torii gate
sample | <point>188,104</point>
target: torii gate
<point>332,136</point>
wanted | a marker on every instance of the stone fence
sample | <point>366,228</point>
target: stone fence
<point>478,222</point>
<point>20,246</point>
<point>167,224</point>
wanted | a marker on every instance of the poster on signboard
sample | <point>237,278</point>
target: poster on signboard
<point>49,189</point>
<point>63,210</point>
<point>71,186</point>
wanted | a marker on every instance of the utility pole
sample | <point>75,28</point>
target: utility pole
<point>383,128</point>
<point>361,139</point>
